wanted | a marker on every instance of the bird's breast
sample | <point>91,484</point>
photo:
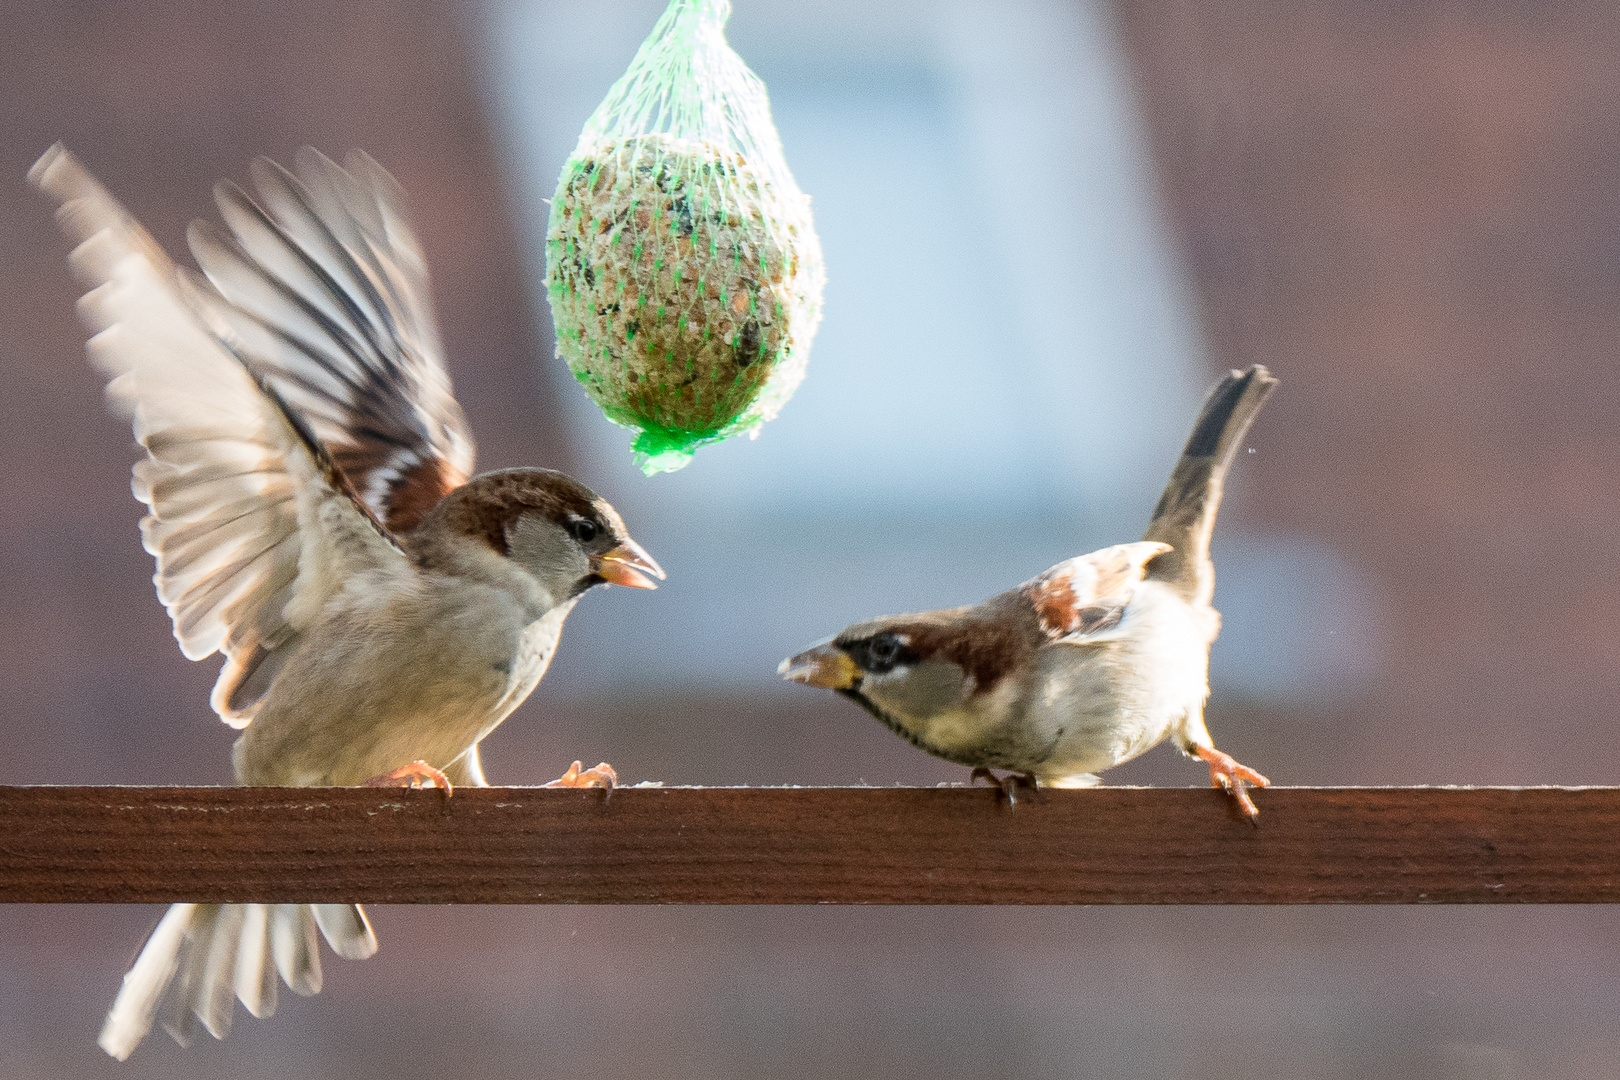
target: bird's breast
<point>424,677</point>
<point>1106,703</point>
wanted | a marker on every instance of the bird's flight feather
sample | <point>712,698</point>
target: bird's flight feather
<point>290,404</point>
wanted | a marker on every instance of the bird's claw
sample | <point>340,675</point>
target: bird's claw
<point>1008,784</point>
<point>1227,773</point>
<point>418,774</point>
<point>600,775</point>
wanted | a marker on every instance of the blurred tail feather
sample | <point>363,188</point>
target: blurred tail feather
<point>202,958</point>
<point>1185,516</point>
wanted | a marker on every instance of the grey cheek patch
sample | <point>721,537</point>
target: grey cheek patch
<point>921,691</point>
<point>545,550</point>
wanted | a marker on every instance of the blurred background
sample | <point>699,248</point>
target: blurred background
<point>1049,225</point>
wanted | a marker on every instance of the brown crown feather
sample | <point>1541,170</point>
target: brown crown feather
<point>487,505</point>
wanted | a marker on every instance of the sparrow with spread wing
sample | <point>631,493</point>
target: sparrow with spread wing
<point>307,473</point>
<point>1080,669</point>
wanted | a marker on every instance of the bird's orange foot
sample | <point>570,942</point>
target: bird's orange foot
<point>1008,784</point>
<point>602,776</point>
<point>1225,772</point>
<point>418,774</point>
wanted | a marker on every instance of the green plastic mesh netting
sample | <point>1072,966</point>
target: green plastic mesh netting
<point>684,273</point>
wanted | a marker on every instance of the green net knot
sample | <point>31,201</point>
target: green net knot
<point>660,450</point>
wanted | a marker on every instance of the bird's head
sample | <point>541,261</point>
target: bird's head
<point>562,533</point>
<point>908,670</point>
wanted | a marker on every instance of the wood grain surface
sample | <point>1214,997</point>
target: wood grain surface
<point>809,846</point>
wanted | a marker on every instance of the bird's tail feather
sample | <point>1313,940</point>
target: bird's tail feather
<point>202,957</point>
<point>1185,516</point>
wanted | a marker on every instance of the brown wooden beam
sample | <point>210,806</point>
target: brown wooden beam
<point>809,846</point>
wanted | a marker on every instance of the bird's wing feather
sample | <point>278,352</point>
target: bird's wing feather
<point>1081,601</point>
<point>329,292</point>
<point>253,526</point>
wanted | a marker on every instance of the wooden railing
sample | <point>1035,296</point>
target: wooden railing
<point>809,846</point>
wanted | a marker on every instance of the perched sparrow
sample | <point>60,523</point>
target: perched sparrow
<point>311,514</point>
<point>1082,668</point>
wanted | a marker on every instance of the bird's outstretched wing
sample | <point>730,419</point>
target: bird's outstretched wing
<point>252,524</point>
<point>328,293</point>
<point>1081,600</point>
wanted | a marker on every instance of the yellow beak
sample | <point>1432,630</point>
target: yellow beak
<point>629,565</point>
<point>824,665</point>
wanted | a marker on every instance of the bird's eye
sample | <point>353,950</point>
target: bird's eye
<point>883,653</point>
<point>584,530</point>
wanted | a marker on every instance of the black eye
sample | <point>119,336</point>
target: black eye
<point>584,530</point>
<point>883,653</point>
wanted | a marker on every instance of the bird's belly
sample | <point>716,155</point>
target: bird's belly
<point>1097,735</point>
<point>345,713</point>
<point>1104,705</point>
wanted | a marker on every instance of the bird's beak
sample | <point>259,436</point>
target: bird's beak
<point>824,665</point>
<point>629,565</point>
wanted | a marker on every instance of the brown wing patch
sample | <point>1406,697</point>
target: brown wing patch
<point>1088,594</point>
<point>1053,597</point>
<point>404,485</point>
